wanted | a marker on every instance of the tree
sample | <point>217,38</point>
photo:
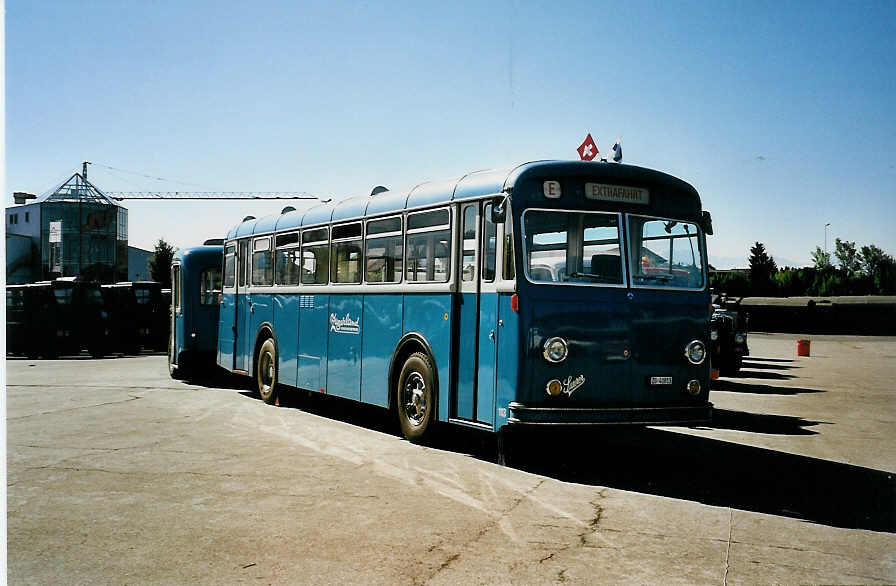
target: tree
<point>762,269</point>
<point>847,257</point>
<point>879,268</point>
<point>160,263</point>
<point>821,259</point>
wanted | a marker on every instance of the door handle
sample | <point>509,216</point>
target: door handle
<point>491,335</point>
<point>251,308</point>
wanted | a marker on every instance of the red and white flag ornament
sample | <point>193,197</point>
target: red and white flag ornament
<point>588,149</point>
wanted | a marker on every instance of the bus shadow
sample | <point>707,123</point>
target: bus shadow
<point>748,363</point>
<point>761,423</point>
<point>667,463</point>
<point>731,386</point>
<point>744,373</point>
<point>719,473</point>
<point>761,359</point>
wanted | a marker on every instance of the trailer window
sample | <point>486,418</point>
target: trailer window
<point>209,286</point>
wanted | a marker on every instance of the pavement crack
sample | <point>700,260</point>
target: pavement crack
<point>485,529</point>
<point>593,523</point>
<point>54,411</point>
<point>728,548</point>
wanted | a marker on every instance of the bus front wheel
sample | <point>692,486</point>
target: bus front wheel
<point>266,372</point>
<point>415,397</point>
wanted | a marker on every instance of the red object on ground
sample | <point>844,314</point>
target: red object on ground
<point>802,347</point>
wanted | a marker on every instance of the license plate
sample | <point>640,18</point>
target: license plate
<point>661,380</point>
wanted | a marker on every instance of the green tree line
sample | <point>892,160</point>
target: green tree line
<point>858,271</point>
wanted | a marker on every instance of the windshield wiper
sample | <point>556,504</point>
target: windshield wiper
<point>663,278</point>
<point>588,276</point>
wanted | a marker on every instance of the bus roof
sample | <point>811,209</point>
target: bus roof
<point>476,185</point>
<point>202,253</point>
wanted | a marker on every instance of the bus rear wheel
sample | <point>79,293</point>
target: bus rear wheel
<point>266,372</point>
<point>414,397</point>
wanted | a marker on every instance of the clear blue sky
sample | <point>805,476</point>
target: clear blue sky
<point>781,114</point>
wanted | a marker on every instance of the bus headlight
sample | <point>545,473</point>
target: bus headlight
<point>695,352</point>
<point>555,350</point>
<point>739,337</point>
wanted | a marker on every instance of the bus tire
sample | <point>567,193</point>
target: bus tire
<point>266,372</point>
<point>414,397</point>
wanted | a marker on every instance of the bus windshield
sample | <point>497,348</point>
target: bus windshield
<point>665,253</point>
<point>572,247</point>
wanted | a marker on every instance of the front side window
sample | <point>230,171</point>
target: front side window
<point>509,270</point>
<point>572,247</point>
<point>262,262</point>
<point>209,286</point>
<point>429,248</point>
<point>665,253</point>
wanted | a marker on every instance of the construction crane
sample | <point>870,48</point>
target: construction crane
<point>209,195</point>
<point>120,195</point>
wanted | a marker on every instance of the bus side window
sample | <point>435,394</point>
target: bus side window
<point>262,262</point>
<point>429,248</point>
<point>489,245</point>
<point>315,256</point>
<point>230,265</point>
<point>384,251</point>
<point>242,262</point>
<point>468,260</point>
<point>346,253</point>
<point>288,255</point>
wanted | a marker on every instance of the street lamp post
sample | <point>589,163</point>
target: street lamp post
<point>826,237</point>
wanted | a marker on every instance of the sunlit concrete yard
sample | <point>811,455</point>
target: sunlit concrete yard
<point>118,474</point>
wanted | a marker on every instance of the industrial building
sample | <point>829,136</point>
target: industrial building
<point>74,230</point>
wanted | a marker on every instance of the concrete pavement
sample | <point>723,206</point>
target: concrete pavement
<point>120,475</point>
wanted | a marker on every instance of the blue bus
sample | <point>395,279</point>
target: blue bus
<point>551,293</point>
<point>195,301</point>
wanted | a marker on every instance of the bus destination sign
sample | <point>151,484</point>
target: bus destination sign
<point>617,193</point>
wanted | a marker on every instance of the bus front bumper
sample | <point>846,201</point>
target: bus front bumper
<point>671,415</point>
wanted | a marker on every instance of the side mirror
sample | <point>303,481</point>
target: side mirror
<point>706,223</point>
<point>498,211</point>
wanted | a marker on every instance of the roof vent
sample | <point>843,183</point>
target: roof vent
<point>214,242</point>
<point>247,218</point>
<point>20,196</point>
<point>378,189</point>
<point>287,209</point>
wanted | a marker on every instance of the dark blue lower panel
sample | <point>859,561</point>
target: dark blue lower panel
<point>380,334</point>
<point>344,346</point>
<point>312,359</point>
<point>286,320</point>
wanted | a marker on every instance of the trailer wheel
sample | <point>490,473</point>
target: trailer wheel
<point>266,372</point>
<point>174,370</point>
<point>414,397</point>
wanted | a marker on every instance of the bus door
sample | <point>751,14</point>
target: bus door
<point>227,311</point>
<point>176,311</point>
<point>241,323</point>
<point>477,317</point>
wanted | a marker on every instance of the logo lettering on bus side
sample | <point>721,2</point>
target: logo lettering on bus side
<point>571,384</point>
<point>345,325</point>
